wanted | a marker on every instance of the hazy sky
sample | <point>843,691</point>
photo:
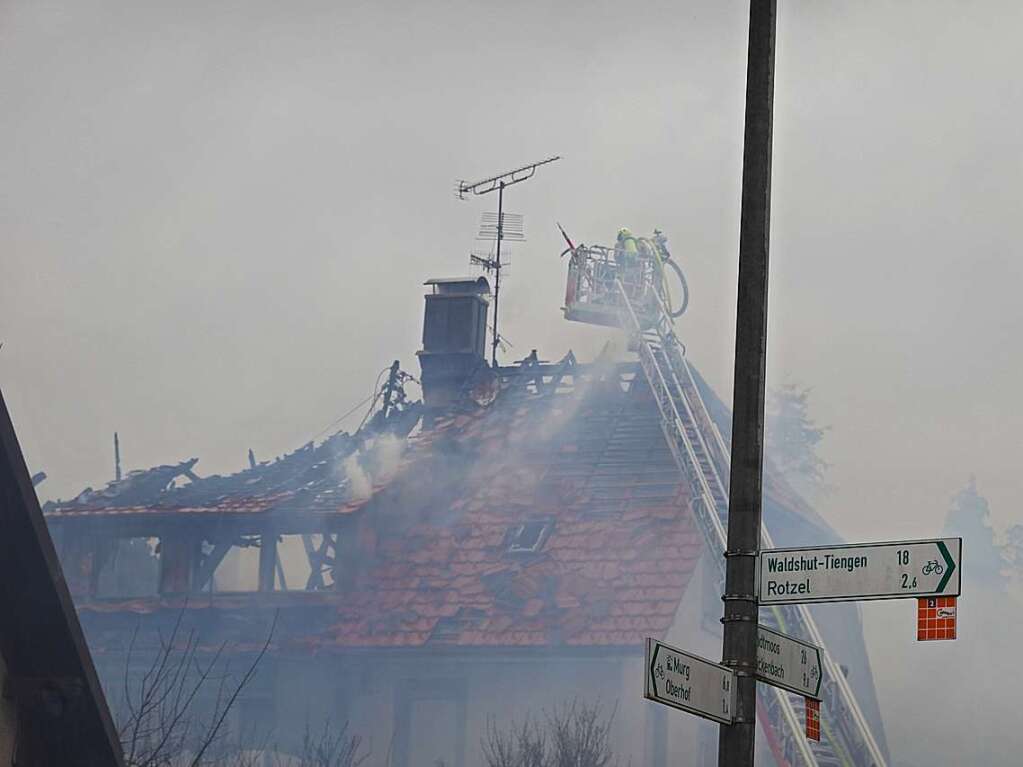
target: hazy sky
<point>215,218</point>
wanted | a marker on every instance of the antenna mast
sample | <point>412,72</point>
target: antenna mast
<point>485,186</point>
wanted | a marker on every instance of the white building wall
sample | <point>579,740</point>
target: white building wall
<point>415,711</point>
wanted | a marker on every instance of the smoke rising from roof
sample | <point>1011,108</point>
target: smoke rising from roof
<point>374,462</point>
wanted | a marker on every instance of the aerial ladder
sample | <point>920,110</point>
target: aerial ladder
<point>626,286</point>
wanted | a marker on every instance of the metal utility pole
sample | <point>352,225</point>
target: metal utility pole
<point>498,182</point>
<point>739,649</point>
<point>497,271</point>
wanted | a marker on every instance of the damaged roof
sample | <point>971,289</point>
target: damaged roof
<point>543,516</point>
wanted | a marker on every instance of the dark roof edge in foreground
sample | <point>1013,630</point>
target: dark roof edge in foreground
<point>44,647</point>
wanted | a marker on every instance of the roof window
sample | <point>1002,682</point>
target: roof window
<point>528,537</point>
<point>451,628</point>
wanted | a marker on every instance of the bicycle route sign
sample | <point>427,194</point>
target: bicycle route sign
<point>789,663</point>
<point>886,570</point>
<point>688,682</point>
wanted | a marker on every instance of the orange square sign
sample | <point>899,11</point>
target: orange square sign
<point>935,618</point>
<point>813,719</point>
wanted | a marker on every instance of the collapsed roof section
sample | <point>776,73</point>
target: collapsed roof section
<point>309,478</point>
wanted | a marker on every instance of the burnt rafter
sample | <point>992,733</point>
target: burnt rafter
<point>534,376</point>
<point>138,487</point>
<point>210,562</point>
<point>312,478</point>
<point>322,559</point>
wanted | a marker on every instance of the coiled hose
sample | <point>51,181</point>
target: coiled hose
<point>661,259</point>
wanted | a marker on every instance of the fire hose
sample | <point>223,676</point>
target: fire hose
<point>661,258</point>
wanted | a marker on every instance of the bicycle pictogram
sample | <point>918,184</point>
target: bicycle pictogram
<point>933,567</point>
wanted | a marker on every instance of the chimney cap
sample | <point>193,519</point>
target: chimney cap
<point>463,285</point>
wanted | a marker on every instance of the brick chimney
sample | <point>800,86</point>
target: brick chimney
<point>454,336</point>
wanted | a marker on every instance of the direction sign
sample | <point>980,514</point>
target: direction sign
<point>888,570</point>
<point>789,663</point>
<point>686,681</point>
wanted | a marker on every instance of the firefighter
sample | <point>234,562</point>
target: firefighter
<point>627,259</point>
<point>626,249</point>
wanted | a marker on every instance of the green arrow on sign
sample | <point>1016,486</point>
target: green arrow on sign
<point>789,663</point>
<point>948,561</point>
<point>820,676</point>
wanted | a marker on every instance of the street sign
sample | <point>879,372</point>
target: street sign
<point>789,663</point>
<point>887,570</point>
<point>686,681</point>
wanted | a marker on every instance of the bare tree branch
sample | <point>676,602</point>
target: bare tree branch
<point>163,725</point>
<point>571,735</point>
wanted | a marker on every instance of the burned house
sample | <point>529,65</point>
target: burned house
<point>52,709</point>
<point>503,546</point>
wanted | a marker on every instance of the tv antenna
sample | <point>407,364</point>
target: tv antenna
<point>499,225</point>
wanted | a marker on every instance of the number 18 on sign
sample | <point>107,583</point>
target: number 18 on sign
<point>689,682</point>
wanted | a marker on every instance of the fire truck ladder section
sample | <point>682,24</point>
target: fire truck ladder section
<point>702,456</point>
